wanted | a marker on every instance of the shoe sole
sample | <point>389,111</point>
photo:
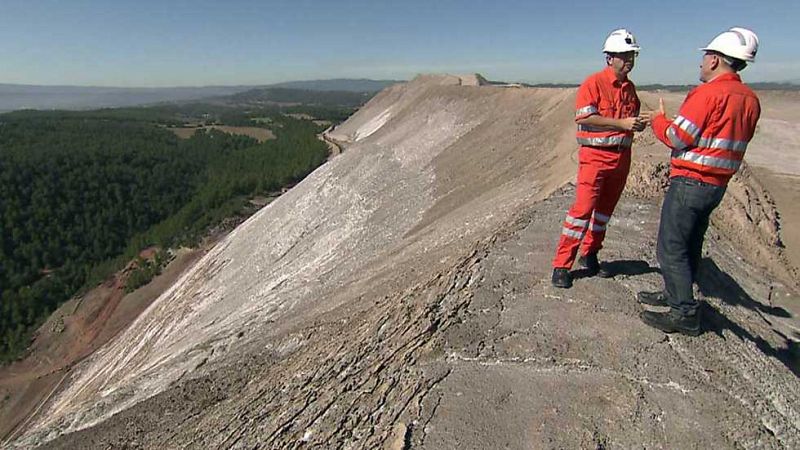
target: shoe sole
<point>653,303</point>
<point>687,331</point>
<point>644,302</point>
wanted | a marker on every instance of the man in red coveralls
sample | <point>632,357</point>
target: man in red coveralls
<point>708,139</point>
<point>607,114</point>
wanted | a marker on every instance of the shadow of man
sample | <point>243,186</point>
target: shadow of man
<point>630,267</point>
<point>713,282</point>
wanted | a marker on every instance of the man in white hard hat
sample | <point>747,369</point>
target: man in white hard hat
<point>708,140</point>
<point>607,114</point>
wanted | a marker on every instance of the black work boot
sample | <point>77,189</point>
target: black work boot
<point>562,278</point>
<point>672,322</point>
<point>591,263</point>
<point>655,298</point>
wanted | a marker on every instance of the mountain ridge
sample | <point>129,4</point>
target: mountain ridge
<point>15,96</point>
<point>399,297</point>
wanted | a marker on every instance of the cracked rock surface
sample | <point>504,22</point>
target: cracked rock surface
<point>489,355</point>
<point>532,365</point>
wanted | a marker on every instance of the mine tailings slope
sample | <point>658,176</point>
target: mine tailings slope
<point>399,297</point>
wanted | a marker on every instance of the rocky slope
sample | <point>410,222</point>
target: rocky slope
<point>398,297</point>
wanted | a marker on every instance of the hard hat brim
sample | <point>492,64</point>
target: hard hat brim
<point>637,50</point>
<point>709,49</point>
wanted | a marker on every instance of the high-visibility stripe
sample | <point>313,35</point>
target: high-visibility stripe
<point>686,125</point>
<point>577,222</point>
<point>586,110</point>
<point>591,128</point>
<point>601,217</point>
<point>595,227</point>
<point>618,140</point>
<point>725,144</point>
<point>676,142</point>
<point>572,233</point>
<point>706,160</point>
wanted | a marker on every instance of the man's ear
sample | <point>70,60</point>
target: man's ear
<point>714,62</point>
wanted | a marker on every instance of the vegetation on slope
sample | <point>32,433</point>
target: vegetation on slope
<point>84,192</point>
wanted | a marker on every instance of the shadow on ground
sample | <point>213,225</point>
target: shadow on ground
<point>628,267</point>
<point>713,282</point>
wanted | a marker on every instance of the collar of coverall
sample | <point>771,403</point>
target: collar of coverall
<point>611,76</point>
<point>726,77</point>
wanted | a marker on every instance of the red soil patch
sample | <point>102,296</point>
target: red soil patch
<point>75,331</point>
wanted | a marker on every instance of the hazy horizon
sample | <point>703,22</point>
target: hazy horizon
<point>232,85</point>
<point>243,42</point>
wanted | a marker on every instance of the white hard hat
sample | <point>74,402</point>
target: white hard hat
<point>739,43</point>
<point>621,41</point>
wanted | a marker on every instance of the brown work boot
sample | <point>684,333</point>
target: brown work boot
<point>672,322</point>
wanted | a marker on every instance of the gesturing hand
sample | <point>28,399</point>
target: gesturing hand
<point>640,124</point>
<point>633,123</point>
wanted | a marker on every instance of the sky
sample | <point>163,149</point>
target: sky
<point>243,42</point>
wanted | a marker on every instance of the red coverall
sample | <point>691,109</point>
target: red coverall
<point>604,160</point>
<point>709,136</point>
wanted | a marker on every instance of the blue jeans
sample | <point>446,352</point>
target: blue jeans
<point>684,221</point>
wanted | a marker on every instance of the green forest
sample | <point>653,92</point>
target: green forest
<point>82,193</point>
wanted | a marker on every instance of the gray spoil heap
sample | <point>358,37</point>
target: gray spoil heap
<point>398,297</point>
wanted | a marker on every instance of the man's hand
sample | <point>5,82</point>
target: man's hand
<point>648,116</point>
<point>641,124</point>
<point>645,119</point>
<point>662,110</point>
<point>633,123</point>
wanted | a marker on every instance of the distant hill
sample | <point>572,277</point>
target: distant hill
<point>783,86</point>
<point>360,85</point>
<point>15,96</point>
<point>759,85</point>
<point>275,95</point>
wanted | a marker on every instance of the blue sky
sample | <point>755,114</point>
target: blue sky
<point>194,43</point>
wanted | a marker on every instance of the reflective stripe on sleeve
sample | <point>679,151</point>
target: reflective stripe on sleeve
<point>686,125</point>
<point>705,160</point>
<point>676,142</point>
<point>724,144</point>
<point>591,109</point>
